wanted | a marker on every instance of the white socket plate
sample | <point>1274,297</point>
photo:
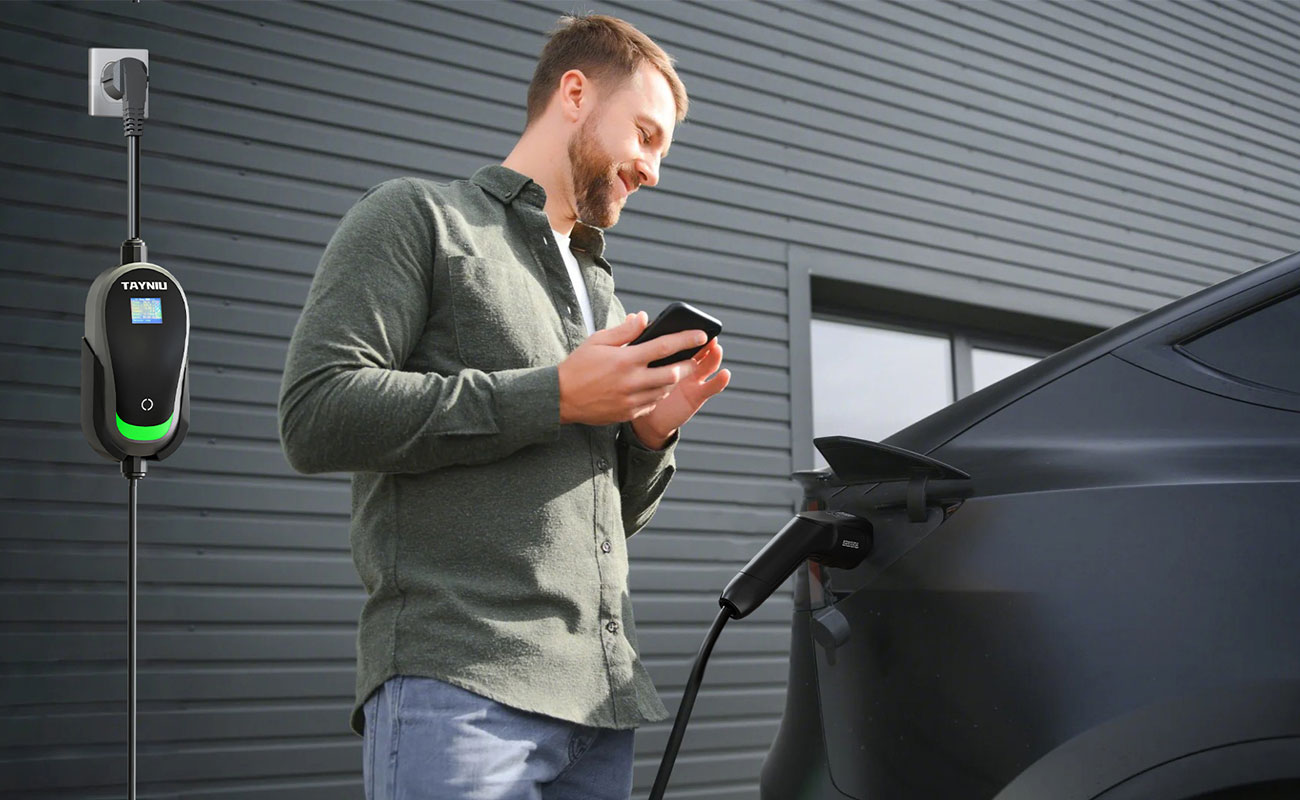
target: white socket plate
<point>100,104</point>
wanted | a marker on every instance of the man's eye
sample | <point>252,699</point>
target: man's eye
<point>645,137</point>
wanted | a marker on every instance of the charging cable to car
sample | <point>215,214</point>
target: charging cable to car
<point>831,538</point>
<point>135,381</point>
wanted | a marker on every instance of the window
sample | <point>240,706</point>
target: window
<point>1259,347</point>
<point>990,366</point>
<point>871,379</point>
<point>869,382</point>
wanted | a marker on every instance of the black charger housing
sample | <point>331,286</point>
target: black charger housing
<point>135,380</point>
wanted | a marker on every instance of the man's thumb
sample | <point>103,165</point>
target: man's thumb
<point>622,333</point>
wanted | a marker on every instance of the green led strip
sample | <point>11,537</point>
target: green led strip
<point>145,433</point>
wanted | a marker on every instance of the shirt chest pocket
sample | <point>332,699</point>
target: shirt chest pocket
<point>503,316</point>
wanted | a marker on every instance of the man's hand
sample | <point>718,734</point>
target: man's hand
<point>695,387</point>
<point>603,382</point>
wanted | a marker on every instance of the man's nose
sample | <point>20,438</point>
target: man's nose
<point>647,172</point>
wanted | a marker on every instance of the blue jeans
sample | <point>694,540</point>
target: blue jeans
<point>426,738</point>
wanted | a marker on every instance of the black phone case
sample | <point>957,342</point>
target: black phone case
<point>679,316</point>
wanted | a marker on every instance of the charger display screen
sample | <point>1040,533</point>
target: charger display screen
<point>146,310</point>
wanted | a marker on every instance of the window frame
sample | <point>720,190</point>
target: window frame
<point>962,341</point>
<point>833,284</point>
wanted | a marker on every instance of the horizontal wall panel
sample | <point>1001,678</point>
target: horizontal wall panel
<point>849,104</point>
<point>175,683</point>
<point>269,720</point>
<point>253,760</point>
<point>249,644</point>
<point>708,767</point>
<point>26,520</point>
<point>255,682</point>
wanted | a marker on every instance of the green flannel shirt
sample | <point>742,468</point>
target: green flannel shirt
<point>490,538</point>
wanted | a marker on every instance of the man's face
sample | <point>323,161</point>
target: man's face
<point>620,144</point>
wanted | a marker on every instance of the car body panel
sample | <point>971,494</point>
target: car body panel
<point>1131,541</point>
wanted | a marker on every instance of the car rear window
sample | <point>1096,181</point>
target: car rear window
<point>1259,347</point>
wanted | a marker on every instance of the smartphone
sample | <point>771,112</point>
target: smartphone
<point>679,316</point>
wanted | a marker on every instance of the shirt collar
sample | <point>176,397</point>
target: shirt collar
<point>506,185</point>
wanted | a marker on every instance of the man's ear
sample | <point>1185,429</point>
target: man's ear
<point>576,95</point>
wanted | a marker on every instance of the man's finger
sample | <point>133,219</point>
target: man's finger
<point>658,377</point>
<point>650,397</point>
<point>624,332</point>
<point>604,335</point>
<point>643,410</point>
<point>666,345</point>
<point>707,350</point>
<point>717,383</point>
<point>712,359</point>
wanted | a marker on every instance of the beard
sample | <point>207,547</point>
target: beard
<point>595,178</point>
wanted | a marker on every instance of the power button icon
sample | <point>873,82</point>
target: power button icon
<point>146,404</point>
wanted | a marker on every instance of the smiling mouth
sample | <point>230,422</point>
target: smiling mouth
<point>627,187</point>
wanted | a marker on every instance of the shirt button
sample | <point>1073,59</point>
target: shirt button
<point>602,464</point>
<point>605,546</point>
<point>612,626</point>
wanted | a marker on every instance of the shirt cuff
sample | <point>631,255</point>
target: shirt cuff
<point>640,449</point>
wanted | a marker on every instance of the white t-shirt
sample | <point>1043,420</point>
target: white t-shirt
<point>575,276</point>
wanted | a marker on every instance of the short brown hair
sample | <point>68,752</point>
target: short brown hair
<point>607,50</point>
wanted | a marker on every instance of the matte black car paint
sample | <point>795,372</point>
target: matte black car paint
<point>1114,610</point>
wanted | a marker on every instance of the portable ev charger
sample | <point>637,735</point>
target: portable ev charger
<point>135,398</point>
<point>135,377</point>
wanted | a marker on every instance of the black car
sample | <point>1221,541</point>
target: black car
<point>1084,580</point>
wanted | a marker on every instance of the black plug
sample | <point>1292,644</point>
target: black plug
<point>833,538</point>
<point>127,79</point>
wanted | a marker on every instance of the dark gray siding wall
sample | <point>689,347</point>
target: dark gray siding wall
<point>1083,161</point>
<point>1080,162</point>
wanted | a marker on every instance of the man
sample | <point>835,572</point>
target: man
<point>461,351</point>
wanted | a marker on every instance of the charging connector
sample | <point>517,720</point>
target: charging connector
<point>833,538</point>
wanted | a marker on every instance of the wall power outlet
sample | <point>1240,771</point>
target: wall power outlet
<point>100,104</point>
